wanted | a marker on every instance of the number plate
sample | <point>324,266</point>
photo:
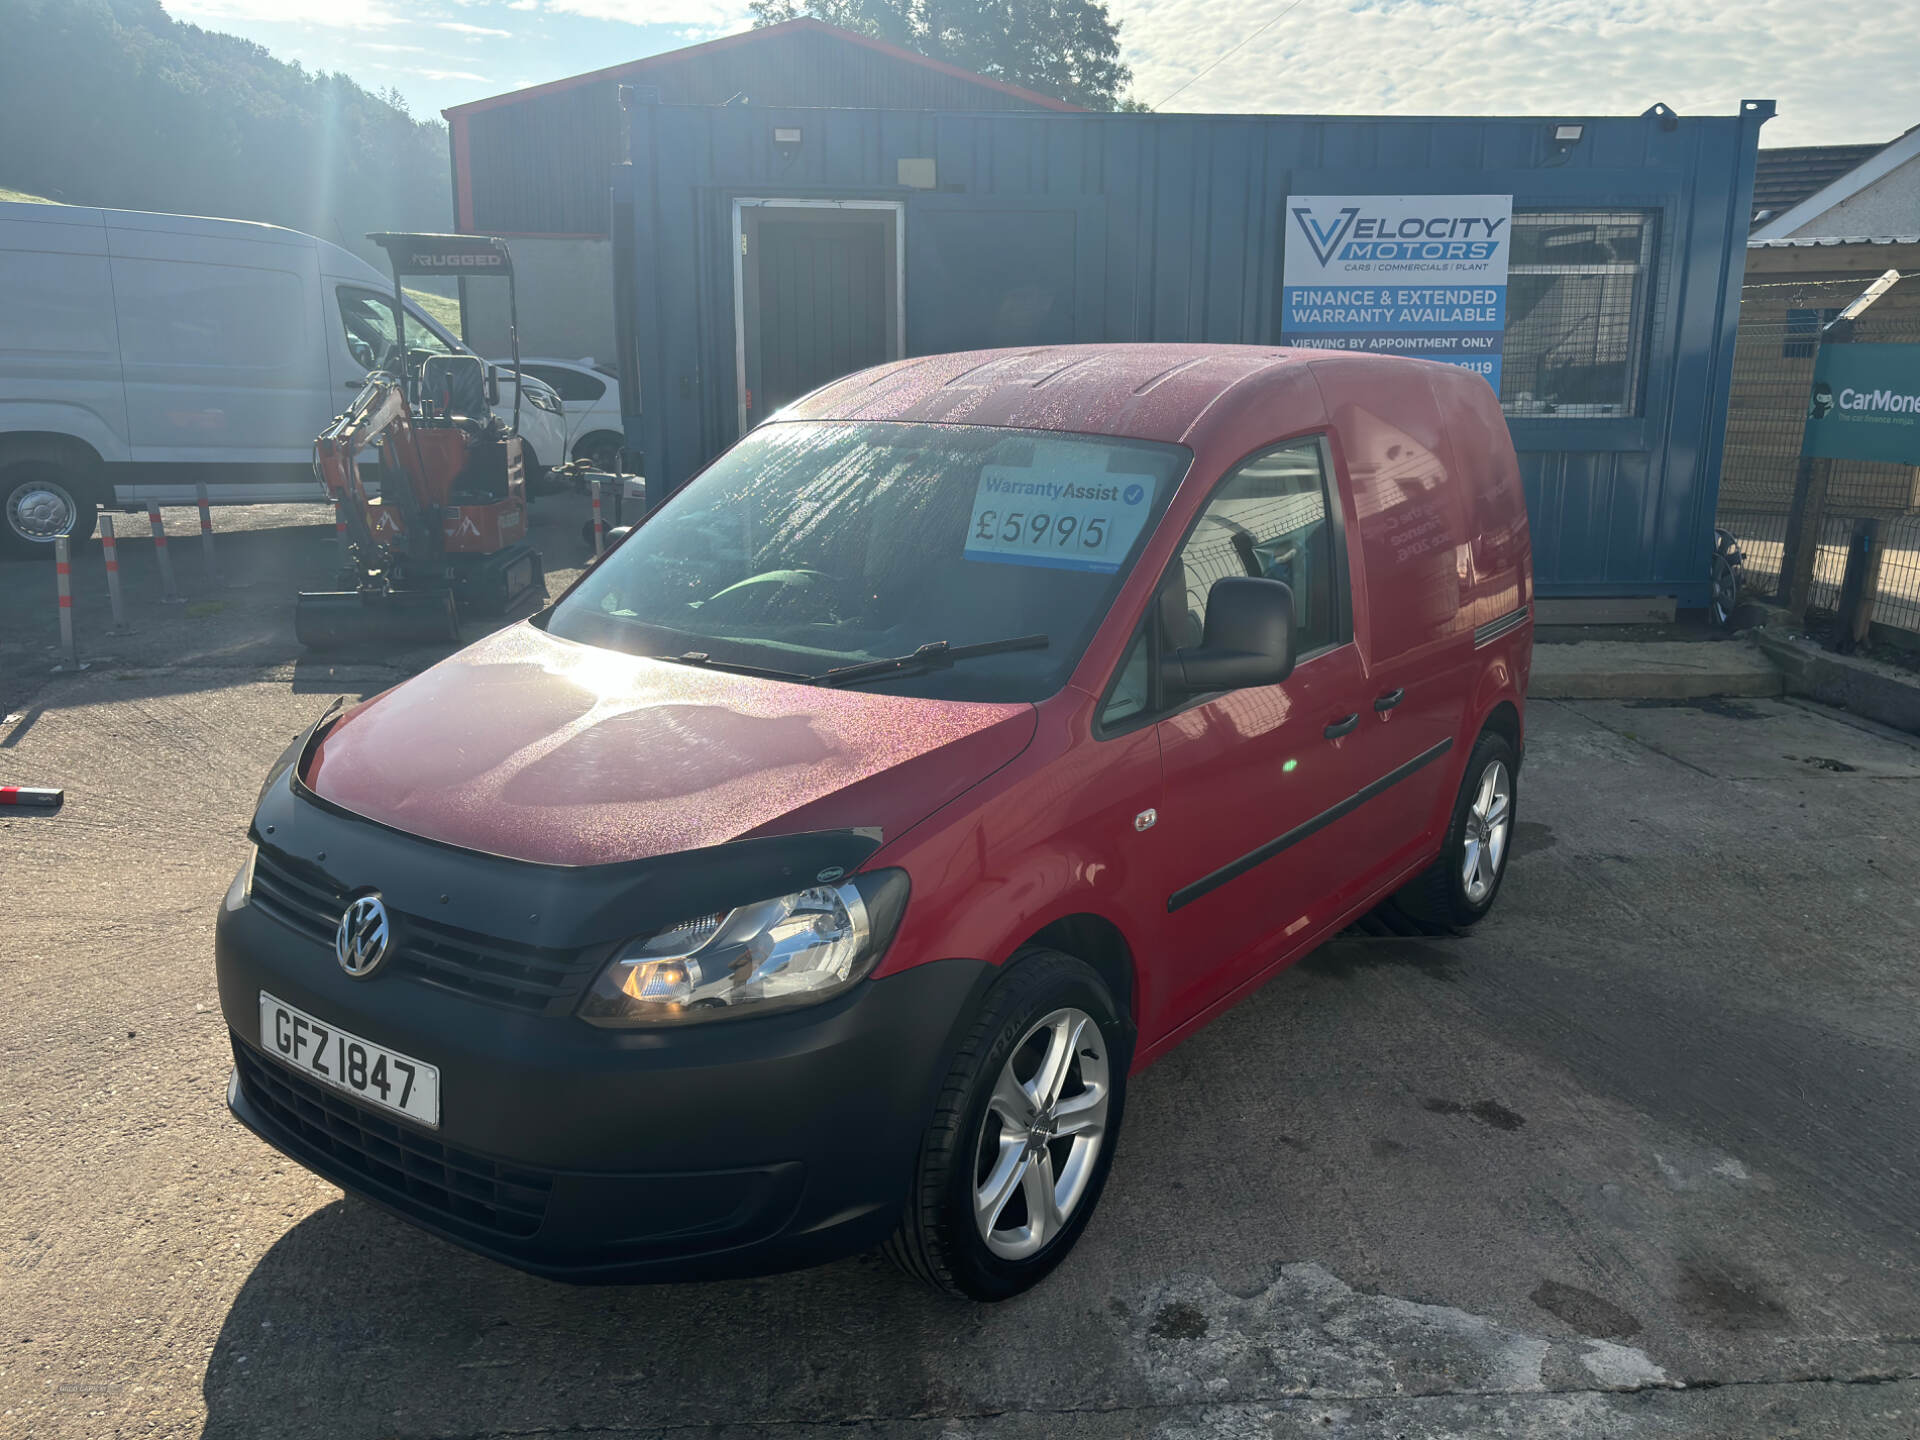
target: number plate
<point>359,1067</point>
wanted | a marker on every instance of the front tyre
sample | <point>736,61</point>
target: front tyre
<point>1022,1136</point>
<point>604,450</point>
<point>1459,888</point>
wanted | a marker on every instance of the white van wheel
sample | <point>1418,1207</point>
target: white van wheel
<point>40,501</point>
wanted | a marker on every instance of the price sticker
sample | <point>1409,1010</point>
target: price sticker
<point>1061,512</point>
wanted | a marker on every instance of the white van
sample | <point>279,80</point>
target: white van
<point>141,354</point>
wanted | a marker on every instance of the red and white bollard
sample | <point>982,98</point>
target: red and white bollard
<point>70,661</point>
<point>32,797</point>
<point>168,595</point>
<point>206,532</point>
<point>111,549</point>
<point>599,529</point>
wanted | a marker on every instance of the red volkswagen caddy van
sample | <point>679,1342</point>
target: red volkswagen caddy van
<point>816,871</point>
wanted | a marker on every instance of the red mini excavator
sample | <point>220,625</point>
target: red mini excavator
<point>447,532</point>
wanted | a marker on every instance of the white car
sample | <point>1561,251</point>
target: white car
<point>590,392</point>
<point>144,354</point>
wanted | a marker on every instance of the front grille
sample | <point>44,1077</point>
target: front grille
<point>402,1165</point>
<point>309,905</point>
<point>523,976</point>
<point>526,977</point>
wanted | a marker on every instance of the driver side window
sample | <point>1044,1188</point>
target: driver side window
<point>367,318</point>
<point>1269,518</point>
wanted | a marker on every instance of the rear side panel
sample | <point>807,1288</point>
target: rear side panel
<point>1409,526</point>
<point>59,341</point>
<point>1497,598</point>
<point>1498,579</point>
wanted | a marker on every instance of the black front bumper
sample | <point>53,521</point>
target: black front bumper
<point>585,1154</point>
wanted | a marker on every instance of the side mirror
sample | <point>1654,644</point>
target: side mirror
<point>1247,642</point>
<point>493,384</point>
<point>612,538</point>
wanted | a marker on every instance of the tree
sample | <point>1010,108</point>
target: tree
<point>114,103</point>
<point>1068,48</point>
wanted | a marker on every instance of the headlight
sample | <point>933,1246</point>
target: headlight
<point>544,400</point>
<point>774,954</point>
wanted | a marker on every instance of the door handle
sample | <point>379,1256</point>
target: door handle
<point>1342,727</point>
<point>1387,701</point>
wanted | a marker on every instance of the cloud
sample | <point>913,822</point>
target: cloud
<point>447,75</point>
<point>1531,57</point>
<point>715,16</point>
<point>390,49</point>
<point>460,28</point>
<point>335,14</point>
<point>523,4</point>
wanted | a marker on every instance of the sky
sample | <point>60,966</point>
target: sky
<point>1835,82</point>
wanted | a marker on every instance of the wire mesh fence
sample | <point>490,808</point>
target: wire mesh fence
<point>1898,604</point>
<point>1783,327</point>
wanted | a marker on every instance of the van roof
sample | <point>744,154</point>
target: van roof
<point>1145,391</point>
<point>334,259</point>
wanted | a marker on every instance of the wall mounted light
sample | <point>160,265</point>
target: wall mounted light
<point>1568,134</point>
<point>786,134</point>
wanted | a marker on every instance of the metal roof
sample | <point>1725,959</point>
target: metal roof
<point>767,34</point>
<point>1821,242</point>
<point>1783,178</point>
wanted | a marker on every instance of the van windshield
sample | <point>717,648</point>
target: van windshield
<point>817,545</point>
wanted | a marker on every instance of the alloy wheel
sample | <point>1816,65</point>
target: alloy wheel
<point>1487,822</point>
<point>1045,1123</point>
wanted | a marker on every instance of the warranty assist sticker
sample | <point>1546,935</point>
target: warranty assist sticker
<point>1061,512</point>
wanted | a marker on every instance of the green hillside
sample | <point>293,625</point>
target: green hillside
<point>115,103</point>
<point>444,308</point>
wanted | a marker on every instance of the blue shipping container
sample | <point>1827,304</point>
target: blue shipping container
<point>762,251</point>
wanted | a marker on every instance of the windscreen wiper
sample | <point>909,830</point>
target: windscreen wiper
<point>935,655</point>
<point>707,662</point>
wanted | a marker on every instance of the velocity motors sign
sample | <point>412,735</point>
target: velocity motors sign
<point>1419,275</point>
<point>1866,404</point>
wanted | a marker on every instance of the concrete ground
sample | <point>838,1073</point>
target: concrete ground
<point>236,616</point>
<point>1637,1158</point>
